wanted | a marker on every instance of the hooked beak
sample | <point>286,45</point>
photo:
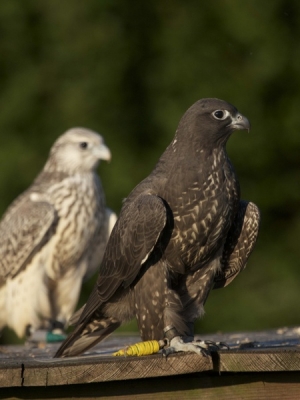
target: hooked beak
<point>239,122</point>
<point>103,153</point>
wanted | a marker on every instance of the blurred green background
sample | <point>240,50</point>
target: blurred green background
<point>129,70</point>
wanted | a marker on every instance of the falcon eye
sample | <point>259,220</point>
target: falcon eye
<point>83,145</point>
<point>220,114</point>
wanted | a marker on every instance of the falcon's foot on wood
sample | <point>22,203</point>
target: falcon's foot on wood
<point>55,333</point>
<point>186,344</point>
<point>44,336</point>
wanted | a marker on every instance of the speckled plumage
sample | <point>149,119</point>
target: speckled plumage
<point>54,235</point>
<point>181,232</point>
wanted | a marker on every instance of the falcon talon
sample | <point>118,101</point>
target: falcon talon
<point>223,344</point>
<point>179,344</point>
<point>202,343</point>
<point>44,336</point>
<point>185,347</point>
<point>215,346</point>
<point>205,352</point>
<point>164,353</point>
<point>211,345</point>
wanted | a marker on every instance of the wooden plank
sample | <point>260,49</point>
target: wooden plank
<point>11,374</point>
<point>227,386</point>
<point>257,360</point>
<point>49,372</point>
<point>249,352</point>
<point>95,369</point>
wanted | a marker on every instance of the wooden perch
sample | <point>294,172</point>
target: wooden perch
<point>250,354</point>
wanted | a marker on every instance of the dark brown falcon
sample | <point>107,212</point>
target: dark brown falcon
<point>181,232</point>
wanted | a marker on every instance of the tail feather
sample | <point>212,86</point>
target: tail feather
<point>74,320</point>
<point>85,336</point>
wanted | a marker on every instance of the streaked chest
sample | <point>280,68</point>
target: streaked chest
<point>203,209</point>
<point>80,207</point>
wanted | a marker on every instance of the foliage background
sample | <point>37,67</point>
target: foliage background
<point>129,70</point>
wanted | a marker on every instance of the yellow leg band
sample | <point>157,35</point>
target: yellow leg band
<point>140,349</point>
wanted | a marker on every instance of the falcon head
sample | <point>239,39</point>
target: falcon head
<point>212,121</point>
<point>78,150</point>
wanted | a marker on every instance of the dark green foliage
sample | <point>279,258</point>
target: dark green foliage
<point>130,69</point>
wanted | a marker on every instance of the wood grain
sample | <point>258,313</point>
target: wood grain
<point>256,352</point>
<point>285,359</point>
<point>95,369</point>
<point>204,386</point>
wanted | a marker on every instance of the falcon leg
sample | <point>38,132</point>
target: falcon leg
<point>44,336</point>
<point>62,301</point>
<point>188,344</point>
<point>194,290</point>
<point>156,305</point>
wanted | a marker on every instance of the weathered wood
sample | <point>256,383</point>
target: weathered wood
<point>249,352</point>
<point>257,360</point>
<point>94,369</point>
<point>10,376</point>
<point>204,386</point>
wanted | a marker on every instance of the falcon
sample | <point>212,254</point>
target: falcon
<point>181,232</point>
<point>53,236</point>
